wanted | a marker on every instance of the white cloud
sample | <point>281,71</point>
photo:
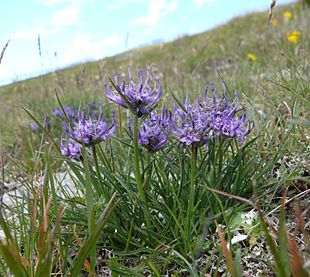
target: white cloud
<point>156,10</point>
<point>119,4</point>
<point>33,33</point>
<point>51,3</point>
<point>201,2</point>
<point>84,46</point>
<point>147,32</point>
<point>192,31</point>
<point>66,16</point>
<point>27,33</point>
<point>115,6</point>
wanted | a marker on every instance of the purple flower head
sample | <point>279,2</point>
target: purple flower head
<point>213,105</point>
<point>46,124</point>
<point>208,118</point>
<point>90,130</point>
<point>93,109</point>
<point>68,110</point>
<point>34,127</point>
<point>153,134</point>
<point>57,112</point>
<point>140,98</point>
<point>191,126</point>
<point>224,119</point>
<point>228,126</point>
<point>71,149</point>
<point>91,105</point>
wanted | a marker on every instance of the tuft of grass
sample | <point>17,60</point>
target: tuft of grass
<point>154,215</point>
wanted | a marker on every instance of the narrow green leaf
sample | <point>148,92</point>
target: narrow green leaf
<point>91,240</point>
<point>272,245</point>
<point>153,268</point>
<point>283,245</point>
<point>179,102</point>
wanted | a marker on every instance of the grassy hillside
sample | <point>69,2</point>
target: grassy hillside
<point>166,197</point>
<point>184,66</point>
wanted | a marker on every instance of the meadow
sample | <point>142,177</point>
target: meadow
<point>192,161</point>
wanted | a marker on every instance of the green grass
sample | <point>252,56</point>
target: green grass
<point>184,66</point>
<point>153,212</point>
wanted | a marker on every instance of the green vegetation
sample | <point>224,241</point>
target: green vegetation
<point>126,212</point>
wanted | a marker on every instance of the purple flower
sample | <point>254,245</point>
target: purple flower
<point>46,124</point>
<point>34,127</point>
<point>224,120</point>
<point>210,106</point>
<point>90,130</point>
<point>140,98</point>
<point>208,118</point>
<point>71,149</point>
<point>228,126</point>
<point>57,112</point>
<point>190,125</point>
<point>93,109</point>
<point>91,105</point>
<point>68,110</point>
<point>153,134</point>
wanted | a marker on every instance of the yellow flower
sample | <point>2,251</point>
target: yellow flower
<point>296,33</point>
<point>287,16</point>
<point>293,36</point>
<point>274,22</point>
<point>252,57</point>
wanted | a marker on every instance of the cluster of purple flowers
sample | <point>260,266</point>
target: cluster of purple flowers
<point>68,110</point>
<point>192,124</point>
<point>189,125</point>
<point>87,130</point>
<point>208,118</point>
<point>140,97</point>
<point>154,132</point>
<point>90,130</point>
<point>71,149</point>
<point>56,112</point>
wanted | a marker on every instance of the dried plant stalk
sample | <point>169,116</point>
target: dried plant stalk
<point>3,50</point>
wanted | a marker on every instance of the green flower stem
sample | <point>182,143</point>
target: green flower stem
<point>218,159</point>
<point>89,207</point>
<point>120,120</point>
<point>101,187</point>
<point>193,177</point>
<point>219,153</point>
<point>138,173</point>
<point>192,189</point>
<point>149,165</point>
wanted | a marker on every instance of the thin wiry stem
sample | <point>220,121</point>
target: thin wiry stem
<point>138,173</point>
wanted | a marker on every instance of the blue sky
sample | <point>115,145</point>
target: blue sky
<point>77,30</point>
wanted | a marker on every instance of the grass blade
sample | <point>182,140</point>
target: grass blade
<point>91,240</point>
